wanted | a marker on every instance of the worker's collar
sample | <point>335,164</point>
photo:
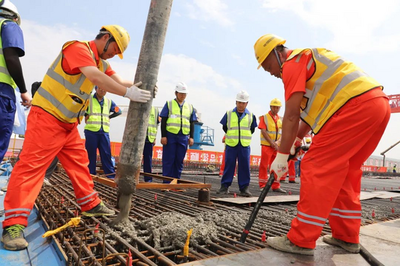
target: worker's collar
<point>93,46</point>
<point>95,96</point>
<point>245,111</point>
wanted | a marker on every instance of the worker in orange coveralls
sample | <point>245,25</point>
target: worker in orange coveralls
<point>348,112</point>
<point>57,109</point>
<point>270,133</point>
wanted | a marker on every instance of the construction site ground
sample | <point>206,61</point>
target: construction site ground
<point>379,234</point>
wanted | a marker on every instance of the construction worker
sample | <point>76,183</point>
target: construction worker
<point>58,107</point>
<point>238,124</point>
<point>177,129</point>
<point>154,120</point>
<point>394,168</point>
<point>336,100</point>
<point>97,118</point>
<point>270,133</point>
<point>11,76</point>
<point>222,168</point>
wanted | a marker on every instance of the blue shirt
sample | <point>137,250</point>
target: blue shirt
<point>11,37</point>
<point>224,119</point>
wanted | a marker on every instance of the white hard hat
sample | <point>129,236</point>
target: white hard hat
<point>242,96</point>
<point>181,87</point>
<point>10,7</point>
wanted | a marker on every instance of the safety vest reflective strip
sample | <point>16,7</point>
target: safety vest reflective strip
<point>5,76</point>
<point>179,118</point>
<point>97,118</point>
<point>12,213</point>
<point>238,131</point>
<point>152,126</point>
<point>334,82</point>
<point>274,135</point>
<point>65,96</point>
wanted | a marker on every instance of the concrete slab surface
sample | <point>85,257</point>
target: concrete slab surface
<point>294,198</point>
<point>381,240</point>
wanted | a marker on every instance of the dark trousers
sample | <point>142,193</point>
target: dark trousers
<point>99,141</point>
<point>242,154</point>
<point>7,115</point>
<point>147,160</point>
<point>173,154</point>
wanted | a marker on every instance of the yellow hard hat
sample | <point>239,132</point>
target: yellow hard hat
<point>120,35</point>
<point>276,102</point>
<point>264,45</point>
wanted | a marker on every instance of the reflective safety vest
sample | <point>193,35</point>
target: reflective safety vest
<point>153,123</point>
<point>179,118</point>
<point>5,76</point>
<point>274,130</point>
<point>335,81</point>
<point>66,96</point>
<point>98,116</point>
<point>238,131</point>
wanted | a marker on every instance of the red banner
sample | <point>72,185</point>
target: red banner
<point>212,157</point>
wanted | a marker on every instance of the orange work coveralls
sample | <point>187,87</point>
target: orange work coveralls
<point>47,137</point>
<point>331,170</point>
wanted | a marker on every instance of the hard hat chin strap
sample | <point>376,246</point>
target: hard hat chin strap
<point>277,57</point>
<point>110,40</point>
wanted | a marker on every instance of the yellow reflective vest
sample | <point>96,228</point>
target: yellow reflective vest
<point>179,118</point>
<point>66,96</point>
<point>238,131</point>
<point>334,82</point>
<point>153,123</point>
<point>274,130</point>
<point>98,116</point>
<point>5,76</point>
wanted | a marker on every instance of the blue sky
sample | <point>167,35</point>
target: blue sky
<point>209,46</point>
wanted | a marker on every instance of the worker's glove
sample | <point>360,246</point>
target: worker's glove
<point>296,144</point>
<point>137,95</point>
<point>279,166</point>
<point>155,91</point>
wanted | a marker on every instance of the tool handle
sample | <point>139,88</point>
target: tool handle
<point>257,207</point>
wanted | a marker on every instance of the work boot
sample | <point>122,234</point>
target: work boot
<point>282,243</point>
<point>245,192</point>
<point>223,190</point>
<point>99,210</point>
<point>350,247</point>
<point>13,237</point>
<point>279,190</point>
<point>292,181</point>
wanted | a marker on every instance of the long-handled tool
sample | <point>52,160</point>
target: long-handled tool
<point>257,207</point>
<point>260,200</point>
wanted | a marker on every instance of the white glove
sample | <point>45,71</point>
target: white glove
<point>296,143</point>
<point>279,166</point>
<point>155,91</point>
<point>137,95</point>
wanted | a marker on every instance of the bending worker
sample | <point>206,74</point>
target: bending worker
<point>238,124</point>
<point>154,120</point>
<point>58,107</point>
<point>177,129</point>
<point>348,113</point>
<point>11,75</point>
<point>270,134</point>
<point>97,118</point>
